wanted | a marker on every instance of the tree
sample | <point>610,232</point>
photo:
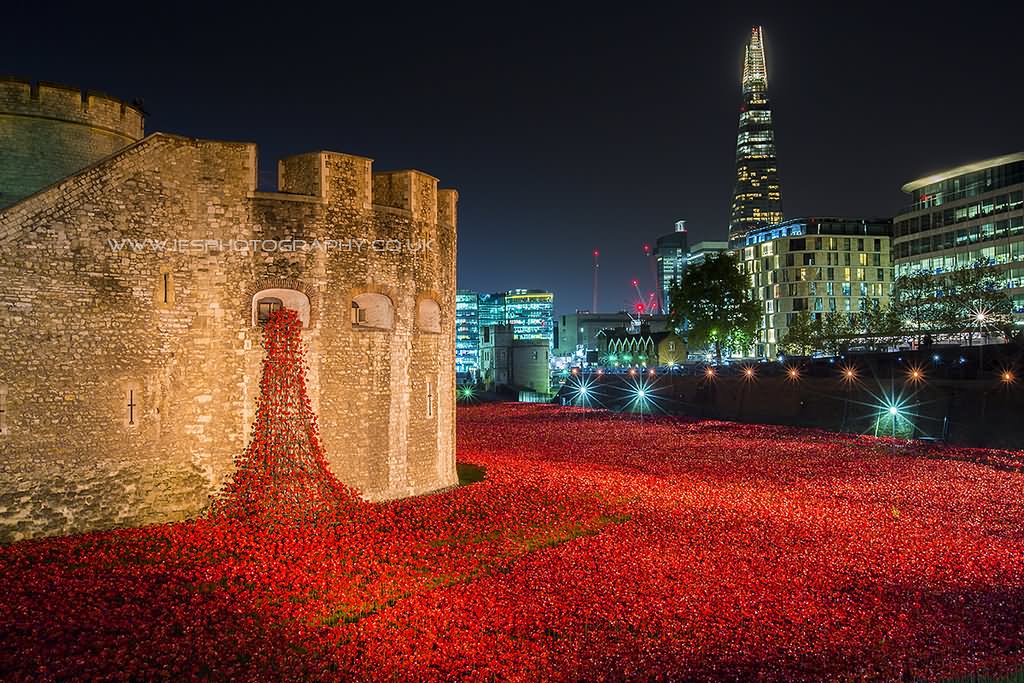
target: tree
<point>800,338</point>
<point>834,332</point>
<point>879,325</point>
<point>973,299</point>
<point>967,299</point>
<point>914,302</point>
<point>830,333</point>
<point>712,305</point>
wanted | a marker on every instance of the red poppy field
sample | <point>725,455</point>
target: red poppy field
<point>597,547</point>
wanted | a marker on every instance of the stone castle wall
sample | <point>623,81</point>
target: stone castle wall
<point>50,131</point>
<point>96,336</point>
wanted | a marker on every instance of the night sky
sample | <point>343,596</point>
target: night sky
<point>564,130</point>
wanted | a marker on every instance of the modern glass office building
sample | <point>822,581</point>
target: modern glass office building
<point>818,265</point>
<point>757,197</point>
<point>491,309</point>
<point>531,313</point>
<point>671,253</point>
<point>964,215</point>
<point>467,332</point>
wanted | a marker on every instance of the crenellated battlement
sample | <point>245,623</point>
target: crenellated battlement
<point>66,103</point>
<point>408,190</point>
<point>350,180</point>
<point>447,207</point>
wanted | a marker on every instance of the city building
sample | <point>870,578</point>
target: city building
<point>818,265</point>
<point>508,362</point>
<point>467,334</point>
<point>531,314</point>
<point>130,373</point>
<point>624,347</point>
<point>491,309</point>
<point>579,331</point>
<point>671,253</point>
<point>701,250</point>
<point>757,197</point>
<point>964,215</point>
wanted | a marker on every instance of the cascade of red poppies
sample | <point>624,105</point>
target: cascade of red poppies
<point>283,474</point>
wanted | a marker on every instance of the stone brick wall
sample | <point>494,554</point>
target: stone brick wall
<point>48,132</point>
<point>125,406</point>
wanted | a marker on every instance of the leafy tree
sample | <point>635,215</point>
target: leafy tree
<point>914,303</point>
<point>829,333</point>
<point>969,298</point>
<point>973,299</point>
<point>880,325</point>
<point>712,303</point>
<point>834,332</point>
<point>801,337</point>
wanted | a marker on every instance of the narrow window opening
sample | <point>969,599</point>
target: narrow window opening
<point>163,288</point>
<point>430,400</point>
<point>3,410</point>
<point>132,405</point>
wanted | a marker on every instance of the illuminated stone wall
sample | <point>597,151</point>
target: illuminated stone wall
<point>130,374</point>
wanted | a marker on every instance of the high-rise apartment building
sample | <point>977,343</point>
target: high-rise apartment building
<point>818,265</point>
<point>757,198</point>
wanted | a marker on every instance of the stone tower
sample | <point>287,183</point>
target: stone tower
<point>48,132</point>
<point>131,298</point>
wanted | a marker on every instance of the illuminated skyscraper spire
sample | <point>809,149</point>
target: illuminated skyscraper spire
<point>755,73</point>
<point>757,198</point>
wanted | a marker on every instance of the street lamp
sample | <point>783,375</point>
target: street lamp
<point>849,378</point>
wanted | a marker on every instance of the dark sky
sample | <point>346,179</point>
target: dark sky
<point>568,129</point>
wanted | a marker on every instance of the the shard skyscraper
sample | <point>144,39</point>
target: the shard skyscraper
<point>757,198</point>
